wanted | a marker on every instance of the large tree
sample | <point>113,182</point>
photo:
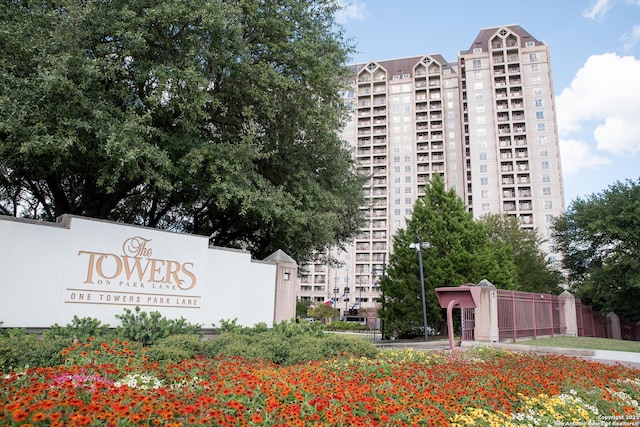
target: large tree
<point>460,252</point>
<point>599,237</point>
<point>213,117</point>
<point>535,271</point>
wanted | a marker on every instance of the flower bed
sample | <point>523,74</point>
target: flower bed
<point>472,388</point>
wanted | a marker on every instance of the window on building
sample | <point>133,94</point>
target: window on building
<point>542,127</point>
<point>548,204</point>
<point>544,153</point>
<point>546,191</point>
<point>478,85</point>
<point>407,158</point>
<point>482,155</point>
<point>537,91</point>
<point>477,74</point>
<point>484,181</point>
<point>542,139</point>
<point>478,96</point>
<point>407,190</point>
<point>529,44</point>
<point>484,168</point>
<point>544,164</point>
<point>477,63</point>
<point>538,102</point>
<point>408,211</point>
<point>539,114</point>
<point>396,201</point>
<point>535,68</point>
<point>396,159</point>
<point>533,57</point>
<point>396,212</point>
<point>396,180</point>
<point>546,177</point>
<point>396,169</point>
<point>397,190</point>
<point>486,207</point>
<point>407,168</point>
<point>480,108</point>
<point>407,179</point>
<point>484,194</point>
<point>548,218</point>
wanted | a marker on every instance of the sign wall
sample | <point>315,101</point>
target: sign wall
<point>91,268</point>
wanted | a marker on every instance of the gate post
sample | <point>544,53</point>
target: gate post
<point>486,314</point>
<point>569,316</point>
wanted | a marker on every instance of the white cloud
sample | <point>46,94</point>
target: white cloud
<point>353,10</point>
<point>630,40</point>
<point>576,155</point>
<point>605,95</point>
<point>597,11</point>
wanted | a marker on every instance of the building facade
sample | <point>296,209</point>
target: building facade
<point>486,123</point>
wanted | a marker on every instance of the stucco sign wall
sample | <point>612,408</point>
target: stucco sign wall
<point>90,268</point>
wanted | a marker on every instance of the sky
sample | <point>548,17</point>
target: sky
<point>595,63</point>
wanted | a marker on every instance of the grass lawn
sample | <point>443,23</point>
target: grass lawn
<point>586,342</point>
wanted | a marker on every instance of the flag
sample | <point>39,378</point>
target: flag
<point>329,301</point>
<point>342,298</point>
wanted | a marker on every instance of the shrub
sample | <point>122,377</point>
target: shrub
<point>80,329</point>
<point>288,343</point>
<point>147,328</point>
<point>175,348</point>
<point>21,350</point>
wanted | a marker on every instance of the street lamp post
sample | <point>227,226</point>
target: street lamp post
<point>335,292</point>
<point>374,272</point>
<point>418,247</point>
<point>346,301</point>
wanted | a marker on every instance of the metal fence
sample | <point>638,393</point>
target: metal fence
<point>529,315</point>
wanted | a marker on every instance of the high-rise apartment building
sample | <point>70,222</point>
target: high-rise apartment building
<point>485,123</point>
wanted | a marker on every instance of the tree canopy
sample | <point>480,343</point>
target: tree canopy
<point>599,237</point>
<point>211,117</point>
<point>460,252</point>
<point>535,272</point>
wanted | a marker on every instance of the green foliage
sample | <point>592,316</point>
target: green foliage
<point>175,348</point>
<point>216,118</point>
<point>22,350</point>
<point>232,327</point>
<point>147,328</point>
<point>340,325</point>
<point>323,311</point>
<point>80,329</point>
<point>599,239</point>
<point>302,307</point>
<point>460,252</point>
<point>535,272</point>
<point>288,343</point>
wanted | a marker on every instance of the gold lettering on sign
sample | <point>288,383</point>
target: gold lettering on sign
<point>136,265</point>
